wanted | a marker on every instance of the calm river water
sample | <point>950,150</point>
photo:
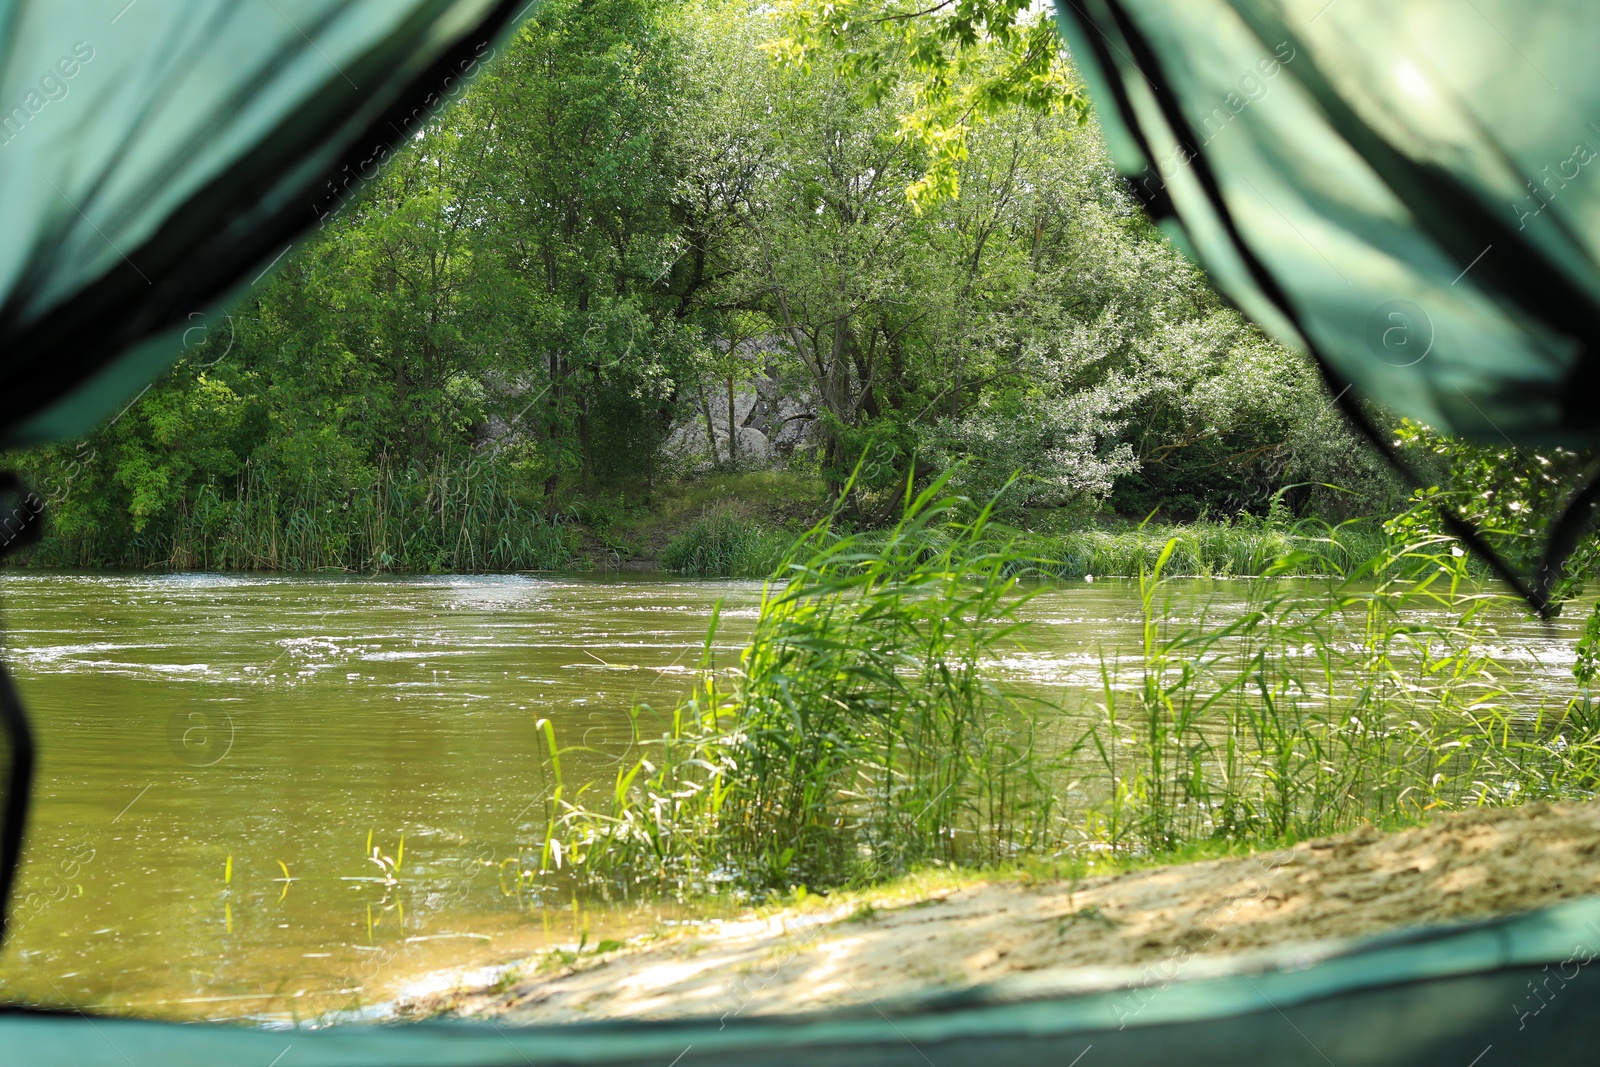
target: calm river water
<point>215,752</point>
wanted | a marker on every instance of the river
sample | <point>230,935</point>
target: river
<point>219,755</point>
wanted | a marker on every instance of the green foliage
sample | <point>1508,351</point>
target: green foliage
<point>1239,549</point>
<point>576,208</point>
<point>454,517</point>
<point>954,65</point>
<point>1510,495</point>
<point>723,545</point>
<point>1587,664</point>
<point>1581,709</point>
<point>482,321</point>
<point>861,732</point>
<point>1369,699</point>
<point>185,432</point>
<point>636,216</point>
<point>864,732</point>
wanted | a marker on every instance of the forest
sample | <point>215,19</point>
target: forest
<point>660,247</point>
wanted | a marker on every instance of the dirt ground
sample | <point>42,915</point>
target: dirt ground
<point>1461,866</point>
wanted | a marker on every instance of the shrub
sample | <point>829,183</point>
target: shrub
<point>862,731</point>
<point>724,545</point>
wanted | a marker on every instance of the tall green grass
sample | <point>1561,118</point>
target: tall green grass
<point>723,544</point>
<point>860,732</point>
<point>866,728</point>
<point>453,517</point>
<point>1209,549</point>
<point>1372,698</point>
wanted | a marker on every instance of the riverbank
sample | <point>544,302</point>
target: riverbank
<point>943,931</point>
<point>740,526</point>
<point>720,525</point>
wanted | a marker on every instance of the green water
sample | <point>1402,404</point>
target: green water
<point>215,751</point>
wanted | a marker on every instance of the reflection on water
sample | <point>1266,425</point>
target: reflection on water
<point>220,756</point>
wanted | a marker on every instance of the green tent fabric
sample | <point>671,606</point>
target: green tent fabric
<point>157,154</point>
<point>1411,191</point>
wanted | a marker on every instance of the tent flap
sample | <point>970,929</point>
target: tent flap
<point>155,160</point>
<point>1408,190</point>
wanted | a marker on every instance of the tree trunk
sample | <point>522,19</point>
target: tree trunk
<point>711,425</point>
<point>585,453</point>
<point>552,483</point>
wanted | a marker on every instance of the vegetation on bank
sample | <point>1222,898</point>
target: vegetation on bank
<point>645,246</point>
<point>859,717</point>
<point>639,260</point>
<point>451,517</point>
<point>471,518</point>
<point>726,545</point>
<point>866,729</point>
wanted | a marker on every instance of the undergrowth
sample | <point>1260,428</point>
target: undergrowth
<point>867,728</point>
<point>453,517</point>
<point>725,545</point>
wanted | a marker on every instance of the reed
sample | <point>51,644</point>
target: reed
<point>1370,698</point>
<point>866,729</point>
<point>1308,547</point>
<point>455,516</point>
<point>724,545</point>
<point>861,732</point>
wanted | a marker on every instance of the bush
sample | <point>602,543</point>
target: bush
<point>862,731</point>
<point>866,729</point>
<point>723,545</point>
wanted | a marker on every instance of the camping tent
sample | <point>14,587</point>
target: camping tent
<point>1404,190</point>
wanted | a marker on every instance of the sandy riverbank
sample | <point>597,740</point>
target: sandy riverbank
<point>1459,867</point>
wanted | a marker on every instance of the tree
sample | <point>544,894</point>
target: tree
<point>576,211</point>
<point>581,255</point>
<point>955,64</point>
